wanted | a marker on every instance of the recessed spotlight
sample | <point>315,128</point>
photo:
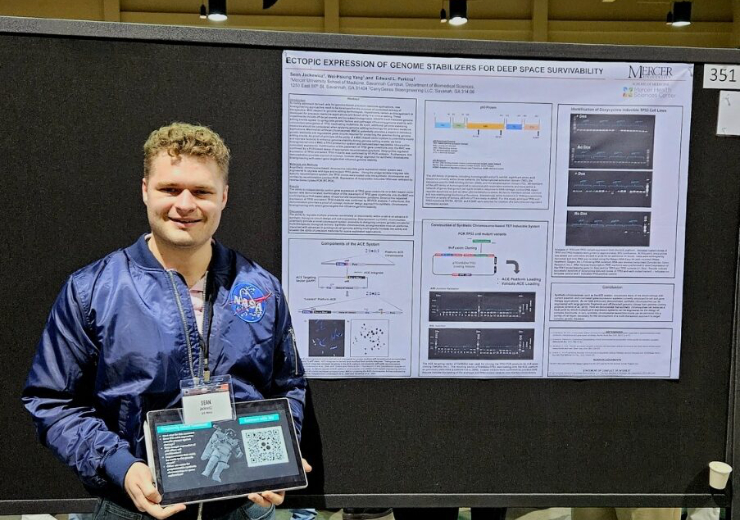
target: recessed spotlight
<point>458,12</point>
<point>680,16</point>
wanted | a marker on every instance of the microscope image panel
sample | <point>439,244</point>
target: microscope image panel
<point>481,344</point>
<point>612,141</point>
<point>369,338</point>
<point>481,306</point>
<point>608,228</point>
<point>610,188</point>
<point>326,338</point>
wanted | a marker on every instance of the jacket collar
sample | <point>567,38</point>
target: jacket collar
<point>139,252</point>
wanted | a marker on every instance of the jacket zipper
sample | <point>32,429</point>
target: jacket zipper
<point>295,350</point>
<point>184,323</point>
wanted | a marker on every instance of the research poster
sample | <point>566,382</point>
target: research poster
<point>449,217</point>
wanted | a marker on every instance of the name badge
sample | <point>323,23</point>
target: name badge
<point>207,402</point>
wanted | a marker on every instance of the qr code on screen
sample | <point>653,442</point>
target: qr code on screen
<point>264,446</point>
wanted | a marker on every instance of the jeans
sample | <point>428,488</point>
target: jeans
<point>303,514</point>
<point>107,510</point>
<point>448,513</point>
<point>702,513</point>
<point>626,513</point>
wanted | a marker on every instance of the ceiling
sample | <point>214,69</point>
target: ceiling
<point>716,23</point>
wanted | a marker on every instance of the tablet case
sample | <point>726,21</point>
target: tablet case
<point>257,451</point>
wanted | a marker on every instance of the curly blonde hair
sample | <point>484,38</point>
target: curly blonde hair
<point>184,138</point>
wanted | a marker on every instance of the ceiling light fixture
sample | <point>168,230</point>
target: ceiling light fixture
<point>217,10</point>
<point>458,12</point>
<point>680,16</point>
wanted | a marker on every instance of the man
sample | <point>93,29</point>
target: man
<point>173,306</point>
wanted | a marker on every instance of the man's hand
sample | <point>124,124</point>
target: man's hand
<point>138,484</point>
<point>266,498</point>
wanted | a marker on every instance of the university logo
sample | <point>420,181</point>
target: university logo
<point>650,72</point>
<point>248,302</point>
<point>628,92</point>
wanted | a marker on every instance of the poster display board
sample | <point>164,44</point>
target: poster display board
<point>620,442</point>
<point>448,217</point>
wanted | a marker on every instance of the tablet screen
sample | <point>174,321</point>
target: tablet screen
<point>257,451</point>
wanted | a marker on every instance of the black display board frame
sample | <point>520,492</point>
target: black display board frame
<point>373,443</point>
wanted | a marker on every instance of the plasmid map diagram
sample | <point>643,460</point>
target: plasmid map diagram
<point>483,287</point>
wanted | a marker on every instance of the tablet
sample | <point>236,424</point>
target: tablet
<point>257,451</point>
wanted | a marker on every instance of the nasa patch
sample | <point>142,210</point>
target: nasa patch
<point>248,302</point>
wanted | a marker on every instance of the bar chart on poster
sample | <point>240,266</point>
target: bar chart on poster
<point>485,218</point>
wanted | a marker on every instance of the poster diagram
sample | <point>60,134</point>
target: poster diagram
<point>370,338</point>
<point>475,218</point>
<point>481,306</point>
<point>347,304</point>
<point>486,155</point>
<point>326,338</point>
<point>612,141</point>
<point>481,344</point>
<point>623,145</point>
<point>610,188</point>
<point>482,294</point>
<point>616,216</point>
<point>608,228</point>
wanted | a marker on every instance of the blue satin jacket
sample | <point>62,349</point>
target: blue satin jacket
<point>121,336</point>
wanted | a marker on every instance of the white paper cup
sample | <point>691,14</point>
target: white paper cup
<point>719,472</point>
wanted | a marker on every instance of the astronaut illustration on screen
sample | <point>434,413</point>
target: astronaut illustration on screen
<point>218,452</point>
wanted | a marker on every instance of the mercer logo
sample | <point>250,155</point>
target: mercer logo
<point>650,72</point>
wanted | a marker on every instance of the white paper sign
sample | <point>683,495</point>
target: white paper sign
<point>722,76</point>
<point>728,118</point>
<point>209,407</point>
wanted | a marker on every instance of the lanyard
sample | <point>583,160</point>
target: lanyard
<point>204,337</point>
<point>205,398</point>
